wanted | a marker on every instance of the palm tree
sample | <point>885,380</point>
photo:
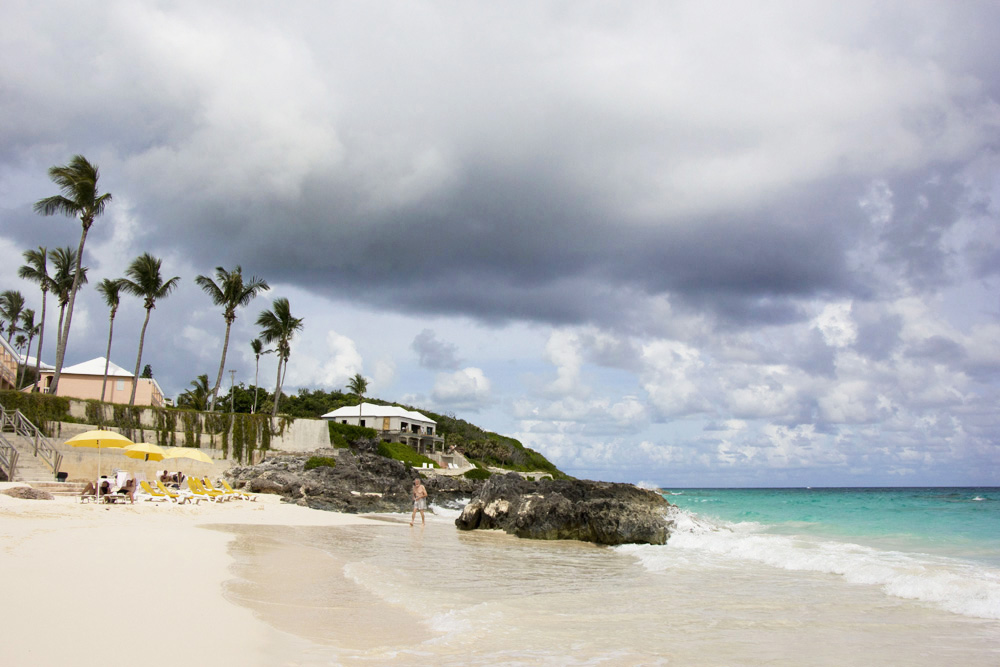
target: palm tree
<point>78,183</point>
<point>230,293</point>
<point>111,291</point>
<point>278,326</point>
<point>63,281</point>
<point>258,352</point>
<point>11,306</point>
<point>29,327</point>
<point>358,385</point>
<point>144,280</point>
<point>20,341</point>
<point>36,270</point>
<point>197,397</point>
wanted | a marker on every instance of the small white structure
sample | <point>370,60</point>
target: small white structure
<point>393,424</point>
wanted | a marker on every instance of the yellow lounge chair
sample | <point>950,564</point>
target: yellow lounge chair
<point>207,483</point>
<point>174,495</point>
<point>200,491</point>
<point>240,494</point>
<point>211,490</point>
<point>153,494</point>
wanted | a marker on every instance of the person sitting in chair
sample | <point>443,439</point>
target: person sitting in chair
<point>128,489</point>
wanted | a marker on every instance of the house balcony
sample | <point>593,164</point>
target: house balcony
<point>421,442</point>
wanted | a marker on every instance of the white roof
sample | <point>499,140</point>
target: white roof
<point>30,363</point>
<point>96,367</point>
<point>375,411</point>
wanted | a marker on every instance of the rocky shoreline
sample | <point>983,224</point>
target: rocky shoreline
<point>598,512</point>
<point>359,483</point>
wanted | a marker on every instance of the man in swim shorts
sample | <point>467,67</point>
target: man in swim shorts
<point>419,501</point>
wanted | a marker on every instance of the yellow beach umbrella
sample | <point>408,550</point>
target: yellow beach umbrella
<point>146,451</point>
<point>99,439</point>
<point>187,453</point>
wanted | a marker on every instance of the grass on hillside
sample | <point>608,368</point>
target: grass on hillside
<point>404,453</point>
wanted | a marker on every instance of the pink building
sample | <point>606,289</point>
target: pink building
<point>8,365</point>
<point>84,381</point>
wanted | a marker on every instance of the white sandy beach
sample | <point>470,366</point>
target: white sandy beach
<point>88,584</point>
<point>255,584</point>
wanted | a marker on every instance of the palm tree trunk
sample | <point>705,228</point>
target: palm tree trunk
<point>62,316</point>
<point>41,335</point>
<point>222,365</point>
<point>22,369</point>
<point>64,335</point>
<point>256,373</point>
<point>107,357</point>
<point>277,389</point>
<point>138,359</point>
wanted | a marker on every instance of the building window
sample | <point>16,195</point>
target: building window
<point>362,422</point>
<point>430,430</point>
<point>120,385</point>
<point>343,421</point>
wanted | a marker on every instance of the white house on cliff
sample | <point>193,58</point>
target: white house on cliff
<point>393,423</point>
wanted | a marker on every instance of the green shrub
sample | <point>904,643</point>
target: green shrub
<point>404,453</point>
<point>41,409</point>
<point>318,461</point>
<point>343,435</point>
<point>478,473</point>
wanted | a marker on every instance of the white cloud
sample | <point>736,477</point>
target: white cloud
<point>467,389</point>
<point>385,374</point>
<point>563,350</point>
<point>672,377</point>
<point>836,325</point>
<point>330,368</point>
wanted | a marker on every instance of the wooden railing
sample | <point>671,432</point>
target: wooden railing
<point>6,373</point>
<point>8,458</point>
<point>20,425</point>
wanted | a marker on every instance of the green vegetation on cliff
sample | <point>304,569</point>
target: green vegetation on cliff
<point>404,453</point>
<point>244,433</point>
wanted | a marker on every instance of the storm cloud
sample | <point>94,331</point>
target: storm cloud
<point>775,219</point>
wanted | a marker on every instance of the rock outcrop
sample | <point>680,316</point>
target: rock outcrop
<point>27,493</point>
<point>600,512</point>
<point>359,483</point>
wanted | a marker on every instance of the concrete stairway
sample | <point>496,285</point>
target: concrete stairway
<point>59,488</point>
<point>29,466</point>
<point>31,445</point>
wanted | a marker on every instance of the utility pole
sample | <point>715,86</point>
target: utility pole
<point>232,394</point>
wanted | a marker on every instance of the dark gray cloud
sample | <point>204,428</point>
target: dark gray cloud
<point>436,354</point>
<point>509,181</point>
<point>712,178</point>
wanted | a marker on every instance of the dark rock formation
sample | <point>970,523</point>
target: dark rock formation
<point>600,512</point>
<point>452,492</point>
<point>27,493</point>
<point>359,483</point>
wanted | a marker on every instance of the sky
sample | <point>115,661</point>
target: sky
<point>680,243</point>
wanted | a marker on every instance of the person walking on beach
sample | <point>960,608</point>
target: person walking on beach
<point>419,501</point>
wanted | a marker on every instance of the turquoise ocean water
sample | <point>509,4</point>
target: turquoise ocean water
<point>939,545</point>
<point>784,577</point>
<point>962,522</point>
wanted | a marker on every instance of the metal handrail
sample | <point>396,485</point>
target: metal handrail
<point>23,427</point>
<point>8,458</point>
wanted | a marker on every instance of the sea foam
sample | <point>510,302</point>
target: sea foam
<point>958,586</point>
